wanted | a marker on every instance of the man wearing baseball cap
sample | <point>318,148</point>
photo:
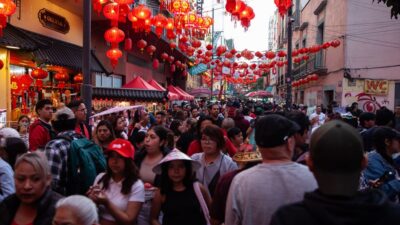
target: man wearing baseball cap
<point>255,194</point>
<point>336,160</point>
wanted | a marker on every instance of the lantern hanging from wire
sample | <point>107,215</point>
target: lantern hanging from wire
<point>7,8</point>
<point>114,54</point>
<point>283,6</point>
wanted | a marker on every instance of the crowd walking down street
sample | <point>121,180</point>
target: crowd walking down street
<point>141,170</point>
<point>199,112</point>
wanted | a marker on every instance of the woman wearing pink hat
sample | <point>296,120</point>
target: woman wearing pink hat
<point>118,192</point>
<point>181,199</point>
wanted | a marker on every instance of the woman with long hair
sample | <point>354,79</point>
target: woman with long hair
<point>381,172</point>
<point>104,134</point>
<point>177,198</point>
<point>119,125</point>
<point>118,192</point>
<point>34,201</point>
<point>155,148</point>
<point>23,128</point>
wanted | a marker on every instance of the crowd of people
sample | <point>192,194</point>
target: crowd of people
<point>233,162</point>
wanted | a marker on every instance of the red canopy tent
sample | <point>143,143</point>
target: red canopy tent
<point>182,96</point>
<point>156,85</point>
<point>139,83</point>
<point>188,96</point>
<point>171,96</point>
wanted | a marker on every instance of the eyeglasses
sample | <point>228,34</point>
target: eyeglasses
<point>207,140</point>
<point>82,110</point>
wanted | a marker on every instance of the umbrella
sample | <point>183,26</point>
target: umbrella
<point>263,94</point>
<point>117,109</point>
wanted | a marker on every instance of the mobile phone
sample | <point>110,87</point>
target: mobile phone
<point>385,176</point>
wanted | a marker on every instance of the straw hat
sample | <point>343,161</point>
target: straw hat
<point>175,154</point>
<point>244,157</point>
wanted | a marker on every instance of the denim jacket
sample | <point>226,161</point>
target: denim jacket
<point>377,166</point>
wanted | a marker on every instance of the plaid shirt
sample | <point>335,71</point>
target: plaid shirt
<point>56,152</point>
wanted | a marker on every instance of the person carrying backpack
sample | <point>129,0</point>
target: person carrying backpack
<point>74,160</point>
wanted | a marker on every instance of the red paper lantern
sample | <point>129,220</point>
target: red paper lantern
<point>335,43</point>
<point>114,35</point>
<point>159,22</point>
<point>7,8</point>
<point>283,6</point>
<point>114,54</point>
<point>128,44</point>
<point>164,56</point>
<point>326,45</point>
<point>156,63</point>
<point>270,55</point>
<point>196,43</point>
<point>151,49</point>
<point>142,12</point>
<point>1,64</point>
<point>281,54</point>
<point>172,45</point>
<point>111,11</point>
<point>78,78</point>
<point>61,77</point>
<point>171,59</point>
<point>39,73</point>
<point>306,57</point>
<point>141,44</point>
<point>280,63</point>
<point>124,1</point>
<point>209,47</point>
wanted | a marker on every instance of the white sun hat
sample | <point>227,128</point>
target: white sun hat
<point>175,154</point>
<point>7,132</point>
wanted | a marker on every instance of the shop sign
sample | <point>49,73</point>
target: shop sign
<point>53,21</point>
<point>376,87</point>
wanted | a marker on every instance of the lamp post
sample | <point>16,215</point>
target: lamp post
<point>289,58</point>
<point>212,42</point>
<point>86,67</point>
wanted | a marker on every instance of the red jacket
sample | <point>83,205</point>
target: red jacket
<point>195,147</point>
<point>78,129</point>
<point>38,135</point>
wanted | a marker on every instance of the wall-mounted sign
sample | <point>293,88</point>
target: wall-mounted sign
<point>376,87</point>
<point>53,21</point>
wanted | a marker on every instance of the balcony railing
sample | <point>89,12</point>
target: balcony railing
<point>316,64</point>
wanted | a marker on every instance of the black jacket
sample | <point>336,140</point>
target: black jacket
<point>45,208</point>
<point>366,208</point>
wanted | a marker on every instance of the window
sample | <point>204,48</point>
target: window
<point>304,43</point>
<point>112,81</point>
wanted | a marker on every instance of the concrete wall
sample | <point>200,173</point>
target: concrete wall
<point>355,93</point>
<point>373,40</point>
<point>28,20</point>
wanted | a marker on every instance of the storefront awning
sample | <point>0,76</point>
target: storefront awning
<point>128,93</point>
<point>48,50</point>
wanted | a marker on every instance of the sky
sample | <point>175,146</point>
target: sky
<point>256,37</point>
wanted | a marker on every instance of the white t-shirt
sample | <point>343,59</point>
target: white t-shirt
<point>117,198</point>
<point>321,117</point>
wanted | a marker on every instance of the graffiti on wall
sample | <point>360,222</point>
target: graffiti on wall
<point>367,102</point>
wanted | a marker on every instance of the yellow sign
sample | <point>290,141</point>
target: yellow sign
<point>376,87</point>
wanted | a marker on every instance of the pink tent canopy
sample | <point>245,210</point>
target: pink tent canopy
<point>139,83</point>
<point>188,96</point>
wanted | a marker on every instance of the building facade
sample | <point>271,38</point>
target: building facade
<point>364,68</point>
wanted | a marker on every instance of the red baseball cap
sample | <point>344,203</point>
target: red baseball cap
<point>122,147</point>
